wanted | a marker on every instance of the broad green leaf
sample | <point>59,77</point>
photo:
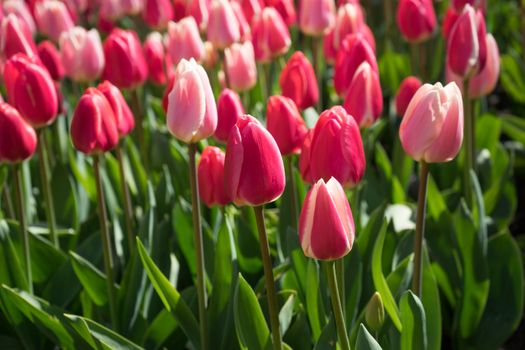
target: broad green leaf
<point>431,303</point>
<point>12,267</point>
<point>353,287</point>
<point>512,78</point>
<point>414,334</point>
<point>298,335</point>
<point>91,278</point>
<point>365,341</point>
<point>514,127</point>
<point>159,329</point>
<point>328,337</point>
<point>286,312</point>
<point>488,131</point>
<point>314,303</point>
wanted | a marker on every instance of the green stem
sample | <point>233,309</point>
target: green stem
<point>48,195</point>
<point>420,227</point>
<point>340,274</point>
<point>414,60</point>
<point>17,179</point>
<point>106,244</point>
<point>128,212</point>
<point>137,112</point>
<point>268,80</point>
<point>199,248</point>
<point>222,57</point>
<point>269,279</point>
<point>293,191</point>
<point>422,60</point>
<point>7,200</point>
<point>336,306</point>
<point>468,143</point>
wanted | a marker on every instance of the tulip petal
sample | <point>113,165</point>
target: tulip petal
<point>233,163</point>
<point>307,218</point>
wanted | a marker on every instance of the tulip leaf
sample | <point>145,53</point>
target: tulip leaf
<point>431,303</point>
<point>92,279</point>
<point>512,78</point>
<point>514,127</point>
<point>365,341</point>
<point>414,334</point>
<point>314,303</point>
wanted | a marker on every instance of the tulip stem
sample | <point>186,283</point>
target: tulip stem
<point>268,79</point>
<point>7,201</point>
<point>469,143</point>
<point>420,227</point>
<point>336,305</point>
<point>222,56</point>
<point>48,195</point>
<point>106,243</point>
<point>269,279</point>
<point>340,274</point>
<point>128,212</point>
<point>293,191</point>
<point>17,179</point>
<point>199,248</point>
<point>137,112</point>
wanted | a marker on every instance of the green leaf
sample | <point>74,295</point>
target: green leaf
<point>160,329</point>
<point>286,312</point>
<point>365,341</point>
<point>314,304</point>
<point>514,127</point>
<point>353,287</point>
<point>512,78</point>
<point>431,303</point>
<point>250,324</point>
<point>170,297</point>
<point>92,279</point>
<point>380,282</point>
<point>12,268</point>
<point>414,334</point>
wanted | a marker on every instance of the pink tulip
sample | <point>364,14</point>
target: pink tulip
<point>251,8</point>
<point>17,138</point>
<point>223,27</point>
<point>298,81</point>
<point>285,124</point>
<point>245,30</point>
<point>270,35</point>
<point>199,10</point>
<point>50,57</point>
<point>192,113</point>
<point>326,227</point>
<point>16,37</point>
<point>349,20</point>
<point>183,40</point>
<point>157,13</point>
<point>406,91</point>
<point>82,55</point>
<point>240,66</point>
<point>159,65</point>
<point>21,10</point>
<point>286,9</point>
<point>132,7</point>
<point>229,108</point>
<point>329,50</point>
<point>316,17</point>
<point>416,19</point>
<point>123,116</point>
<point>335,134</point>
<point>253,169</point>
<point>52,18</point>
<point>111,10</point>
<point>211,177</point>
<point>432,128</point>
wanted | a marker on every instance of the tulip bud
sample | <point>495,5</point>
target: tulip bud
<point>459,4</point>
<point>200,11</point>
<point>406,91</point>
<point>157,13</point>
<point>52,18</point>
<point>326,226</point>
<point>416,19</point>
<point>17,137</point>
<point>349,20</point>
<point>183,40</point>
<point>132,7</point>
<point>21,10</point>
<point>192,113</point>
<point>229,108</point>
<point>432,128</point>
<point>125,63</point>
<point>31,90</point>
<point>336,134</point>
<point>329,50</point>
<point>353,52</point>
<point>375,312</point>
<point>253,168</point>
<point>82,55</point>
<point>316,17</point>
<point>50,57</point>
<point>156,59</point>
<point>240,66</point>
<point>211,177</point>
<point>286,9</point>
<point>245,30</point>
<point>485,81</point>
<point>364,100</point>
<point>298,81</point>
<point>449,19</point>
<point>251,8</point>
<point>223,27</point>
<point>16,37</point>
<point>123,116</point>
<point>94,127</point>
<point>285,124</point>
<point>270,35</point>
<point>111,10</point>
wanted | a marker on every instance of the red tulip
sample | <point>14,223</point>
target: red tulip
<point>459,4</point>
<point>223,27</point>
<point>253,168</point>
<point>123,115</point>
<point>245,30</point>
<point>157,13</point>
<point>316,17</point>
<point>298,81</point>
<point>125,63</point>
<point>251,8</point>
<point>16,37</point>
<point>416,19</point>
<point>94,125</point>
<point>17,137</point>
<point>326,227</point>
<point>229,108</point>
<point>240,66</point>
<point>211,177</point>
<point>350,20</point>
<point>335,134</point>
<point>329,50</point>
<point>285,124</point>
<point>270,35</point>
<point>159,64</point>
<point>52,18</point>
<point>21,10</point>
<point>199,10</point>
<point>50,57</point>
<point>286,9</point>
<point>450,18</point>
<point>406,91</point>
<point>184,40</point>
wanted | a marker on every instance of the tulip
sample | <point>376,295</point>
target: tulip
<point>50,57</point>
<point>298,81</point>
<point>223,27</point>
<point>159,64</point>
<point>123,116</point>
<point>157,13</point>
<point>16,37</point>
<point>485,81</point>
<point>244,27</point>
<point>432,127</point>
<point>192,113</point>
<point>229,108</point>
<point>336,134</point>
<point>270,35</point>
<point>94,125</point>
<point>210,57</point>
<point>82,54</point>
<point>416,19</point>
<point>364,100</point>
<point>166,93</point>
<point>326,227</point>
<point>200,11</point>
<point>285,124</point>
<point>449,19</point>
<point>459,4</point>
<point>111,10</point>
<point>354,51</point>
<point>132,7</point>
<point>211,177</point>
<point>31,90</point>
<point>20,10</point>
<point>125,63</point>
<point>183,40</point>
<point>254,170</point>
<point>251,8</point>
<point>286,9</point>
<point>240,66</point>
<point>316,17</point>
<point>350,20</point>
<point>406,91</point>
<point>17,137</point>
<point>329,50</point>
<point>52,18</point>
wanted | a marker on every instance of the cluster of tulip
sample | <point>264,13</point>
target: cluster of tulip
<point>241,36</point>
